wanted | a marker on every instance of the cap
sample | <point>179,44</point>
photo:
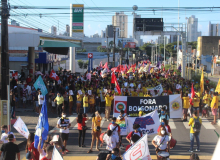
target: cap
<point>15,87</point>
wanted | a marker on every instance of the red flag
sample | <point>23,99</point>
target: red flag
<point>134,65</point>
<point>192,94</point>
<point>106,66</point>
<point>125,68</point>
<point>15,74</point>
<point>114,80</point>
<point>54,76</point>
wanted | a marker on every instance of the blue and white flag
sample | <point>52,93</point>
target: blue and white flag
<point>42,128</point>
<point>40,84</point>
<point>149,123</point>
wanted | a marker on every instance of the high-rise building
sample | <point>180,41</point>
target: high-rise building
<point>121,20</point>
<point>53,30</point>
<point>173,38</point>
<point>214,29</point>
<point>161,39</point>
<point>67,28</point>
<point>103,34</point>
<point>192,29</point>
<point>109,31</point>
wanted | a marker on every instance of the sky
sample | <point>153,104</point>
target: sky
<point>95,22</point>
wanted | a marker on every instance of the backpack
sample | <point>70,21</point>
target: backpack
<point>197,125</point>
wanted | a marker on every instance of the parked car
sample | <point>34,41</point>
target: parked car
<point>14,71</point>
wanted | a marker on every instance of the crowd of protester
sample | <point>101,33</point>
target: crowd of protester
<point>94,93</point>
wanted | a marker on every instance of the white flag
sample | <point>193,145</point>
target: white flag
<point>21,127</point>
<point>138,151</point>
<point>216,153</point>
<point>56,155</point>
<point>149,123</point>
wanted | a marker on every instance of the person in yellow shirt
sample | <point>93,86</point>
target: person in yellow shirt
<point>218,106</point>
<point>85,103</point>
<point>60,102</point>
<point>78,102</point>
<point>185,106</point>
<point>148,94</point>
<point>70,104</point>
<point>206,102</point>
<point>108,103</point>
<point>141,93</point>
<point>193,134</point>
<point>214,107</point>
<point>196,101</point>
<point>92,103</point>
<point>134,93</point>
<point>96,130</point>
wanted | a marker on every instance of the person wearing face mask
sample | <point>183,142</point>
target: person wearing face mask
<point>164,123</point>
<point>137,131</point>
<point>163,115</point>
<point>114,156</point>
<point>114,127</point>
<point>64,124</point>
<point>5,134</point>
<point>96,130</point>
<point>111,140</point>
<point>161,141</point>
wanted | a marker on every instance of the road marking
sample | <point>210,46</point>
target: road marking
<point>207,124</point>
<point>172,124</point>
<point>186,124</point>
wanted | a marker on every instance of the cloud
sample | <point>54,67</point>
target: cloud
<point>99,26</point>
<point>89,26</point>
<point>96,31</point>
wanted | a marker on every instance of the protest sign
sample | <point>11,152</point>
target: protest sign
<point>90,92</point>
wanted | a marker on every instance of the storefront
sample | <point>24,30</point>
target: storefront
<point>44,62</point>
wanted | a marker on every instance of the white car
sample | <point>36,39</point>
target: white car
<point>14,71</point>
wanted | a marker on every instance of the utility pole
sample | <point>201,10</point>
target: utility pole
<point>114,50</point>
<point>164,51</point>
<point>107,50</point>
<point>4,50</point>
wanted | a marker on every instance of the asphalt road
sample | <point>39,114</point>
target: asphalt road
<point>180,131</point>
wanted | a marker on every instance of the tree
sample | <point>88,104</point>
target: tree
<point>100,49</point>
<point>86,64</point>
<point>80,63</point>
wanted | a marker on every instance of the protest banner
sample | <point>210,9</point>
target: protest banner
<point>122,125</point>
<point>172,104</point>
<point>21,127</point>
<point>149,123</point>
<point>139,150</point>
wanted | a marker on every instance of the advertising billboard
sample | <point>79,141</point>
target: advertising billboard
<point>129,44</point>
<point>77,18</point>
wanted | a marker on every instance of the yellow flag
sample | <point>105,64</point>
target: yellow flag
<point>202,82</point>
<point>130,70</point>
<point>141,70</point>
<point>218,87</point>
<point>151,70</point>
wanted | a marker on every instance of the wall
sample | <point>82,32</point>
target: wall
<point>206,44</point>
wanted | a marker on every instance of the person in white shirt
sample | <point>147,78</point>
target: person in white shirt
<point>4,137</point>
<point>64,124</point>
<point>40,101</point>
<point>162,141</point>
<point>111,140</point>
<point>5,133</point>
<point>42,151</point>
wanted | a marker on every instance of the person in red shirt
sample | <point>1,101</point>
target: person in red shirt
<point>137,131</point>
<point>81,128</point>
<point>165,124</point>
<point>30,147</point>
<point>49,152</point>
<point>28,79</point>
<point>134,139</point>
